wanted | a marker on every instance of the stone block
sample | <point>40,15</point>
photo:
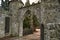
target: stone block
<point>52,33</point>
<point>2,33</point>
<point>54,39</point>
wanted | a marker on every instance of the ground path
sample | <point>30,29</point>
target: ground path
<point>34,36</point>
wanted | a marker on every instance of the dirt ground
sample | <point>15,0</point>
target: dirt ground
<point>34,36</point>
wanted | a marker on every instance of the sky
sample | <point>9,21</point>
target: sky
<point>30,1</point>
<point>25,1</point>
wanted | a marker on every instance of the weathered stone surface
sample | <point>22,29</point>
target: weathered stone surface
<point>14,6</point>
<point>50,12</point>
<point>47,12</point>
<point>2,26</point>
<point>54,33</point>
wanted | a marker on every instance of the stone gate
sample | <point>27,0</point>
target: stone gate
<point>47,13</point>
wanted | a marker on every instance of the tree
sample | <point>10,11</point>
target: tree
<point>27,3</point>
<point>26,22</point>
<point>35,22</point>
<point>5,4</point>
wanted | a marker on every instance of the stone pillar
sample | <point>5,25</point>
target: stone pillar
<point>14,25</point>
<point>42,12</point>
<point>14,6</point>
<point>42,20</point>
<point>2,26</point>
<point>21,28</point>
<point>31,21</point>
<point>48,7</point>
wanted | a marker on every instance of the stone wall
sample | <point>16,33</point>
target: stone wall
<point>13,11</point>
<point>53,32</point>
<point>2,26</point>
<point>16,13</point>
<point>35,9</point>
<point>50,11</point>
<point>50,14</point>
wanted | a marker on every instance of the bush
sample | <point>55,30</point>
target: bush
<point>27,31</point>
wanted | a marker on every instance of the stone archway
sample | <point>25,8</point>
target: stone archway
<point>21,19</point>
<point>27,23</point>
<point>35,22</point>
<point>22,14</point>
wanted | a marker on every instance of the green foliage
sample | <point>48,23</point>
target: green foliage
<point>5,4</point>
<point>35,21</point>
<point>27,31</point>
<point>26,22</point>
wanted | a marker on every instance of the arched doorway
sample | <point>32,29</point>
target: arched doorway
<point>27,23</point>
<point>31,23</point>
<point>35,23</point>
